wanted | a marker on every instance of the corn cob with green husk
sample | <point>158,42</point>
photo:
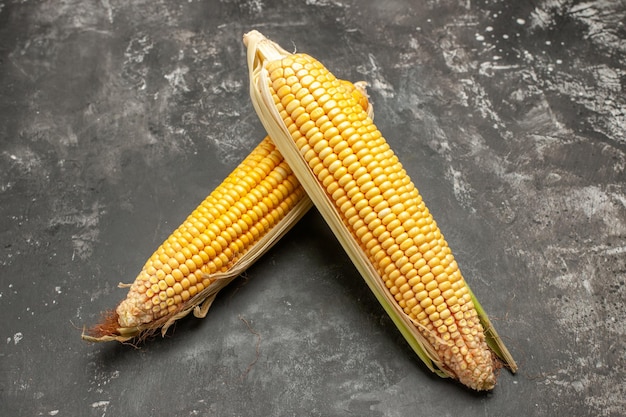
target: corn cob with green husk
<point>359,186</point>
<point>238,222</point>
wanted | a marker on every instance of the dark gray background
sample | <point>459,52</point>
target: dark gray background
<point>116,120</point>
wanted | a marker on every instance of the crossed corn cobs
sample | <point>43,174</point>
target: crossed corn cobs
<point>322,149</point>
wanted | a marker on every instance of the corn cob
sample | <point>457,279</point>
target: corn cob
<point>230,229</point>
<point>372,206</point>
<point>238,222</point>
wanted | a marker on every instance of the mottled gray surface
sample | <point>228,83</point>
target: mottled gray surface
<point>117,119</point>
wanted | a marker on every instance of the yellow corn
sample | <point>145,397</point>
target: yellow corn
<point>258,202</point>
<point>360,187</point>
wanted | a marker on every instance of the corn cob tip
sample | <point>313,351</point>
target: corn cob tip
<point>108,329</point>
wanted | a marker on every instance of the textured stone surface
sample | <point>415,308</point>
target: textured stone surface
<point>116,119</point>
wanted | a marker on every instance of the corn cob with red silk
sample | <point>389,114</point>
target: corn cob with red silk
<point>238,222</point>
<point>370,203</point>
